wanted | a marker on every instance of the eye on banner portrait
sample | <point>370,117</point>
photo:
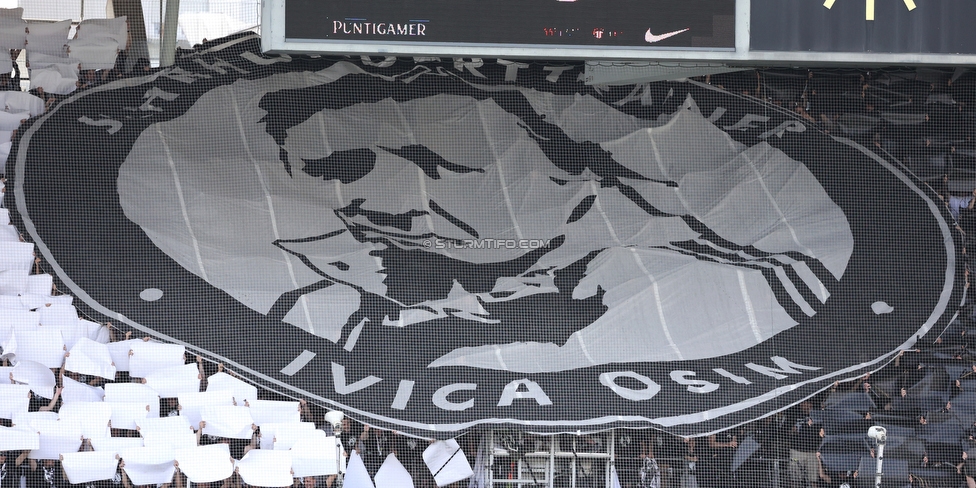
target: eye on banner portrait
<point>432,247</point>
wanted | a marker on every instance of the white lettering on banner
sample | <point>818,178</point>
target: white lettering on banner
<point>785,367</point>
<point>339,380</point>
<point>642,388</point>
<point>403,394</point>
<point>734,377</point>
<point>609,380</point>
<point>694,386</point>
<point>441,401</point>
<point>717,114</point>
<point>379,28</point>
<point>533,391</point>
<point>511,68</point>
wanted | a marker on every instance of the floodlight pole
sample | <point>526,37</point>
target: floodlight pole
<point>334,417</point>
<point>879,435</point>
<point>338,441</point>
<point>877,475</point>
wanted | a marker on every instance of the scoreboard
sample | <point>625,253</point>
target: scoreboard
<point>498,26</point>
<point>708,24</point>
<point>735,32</point>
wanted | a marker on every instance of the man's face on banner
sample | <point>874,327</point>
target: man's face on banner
<point>451,207</point>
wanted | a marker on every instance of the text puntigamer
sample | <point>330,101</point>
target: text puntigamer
<point>379,28</point>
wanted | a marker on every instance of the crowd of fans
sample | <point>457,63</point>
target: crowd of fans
<point>60,58</point>
<point>926,398</point>
<point>136,398</point>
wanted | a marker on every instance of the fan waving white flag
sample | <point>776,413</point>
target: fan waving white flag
<point>447,462</point>
<point>392,474</point>
<point>614,479</point>
<point>356,474</point>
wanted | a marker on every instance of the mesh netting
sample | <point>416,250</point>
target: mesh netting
<point>682,283</point>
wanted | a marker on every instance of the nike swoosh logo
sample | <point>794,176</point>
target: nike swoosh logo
<point>660,37</point>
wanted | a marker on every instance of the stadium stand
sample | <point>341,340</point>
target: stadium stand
<point>89,403</point>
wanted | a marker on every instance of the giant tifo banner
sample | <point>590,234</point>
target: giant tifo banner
<point>434,246</point>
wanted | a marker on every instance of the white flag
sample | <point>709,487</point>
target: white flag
<point>271,469</point>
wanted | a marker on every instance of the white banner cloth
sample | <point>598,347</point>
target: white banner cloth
<point>148,357</point>
<point>170,382</point>
<point>38,284</point>
<point>315,455</point>
<point>13,281</point>
<point>206,464</point>
<point>91,358</point>
<point>53,29</point>
<point>94,330</point>
<point>42,345</point>
<point>116,445</point>
<point>55,443</point>
<point>614,480</point>
<point>75,391</point>
<point>447,462</point>
<point>356,474</point>
<point>38,301</point>
<point>11,320</point>
<point>227,421</point>
<point>133,392</point>
<point>36,420</point>
<point>38,59</point>
<point>8,303</point>
<point>285,435</point>
<point>148,465</point>
<point>11,14</point>
<point>13,35</point>
<point>270,430</point>
<point>47,423</point>
<point>38,377</point>
<point>270,469</point>
<point>19,439</point>
<point>63,317</point>
<point>94,53</point>
<point>392,474</point>
<point>115,28</point>
<point>264,411</point>
<point>16,255</point>
<point>120,353</point>
<point>11,121</point>
<point>13,399</point>
<point>163,424</point>
<point>8,233</point>
<point>127,415</point>
<point>242,391</point>
<point>16,101</point>
<point>85,467</point>
<point>170,440</point>
<point>192,403</point>
<point>91,418</point>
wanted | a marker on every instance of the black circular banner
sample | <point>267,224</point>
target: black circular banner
<point>433,247</point>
